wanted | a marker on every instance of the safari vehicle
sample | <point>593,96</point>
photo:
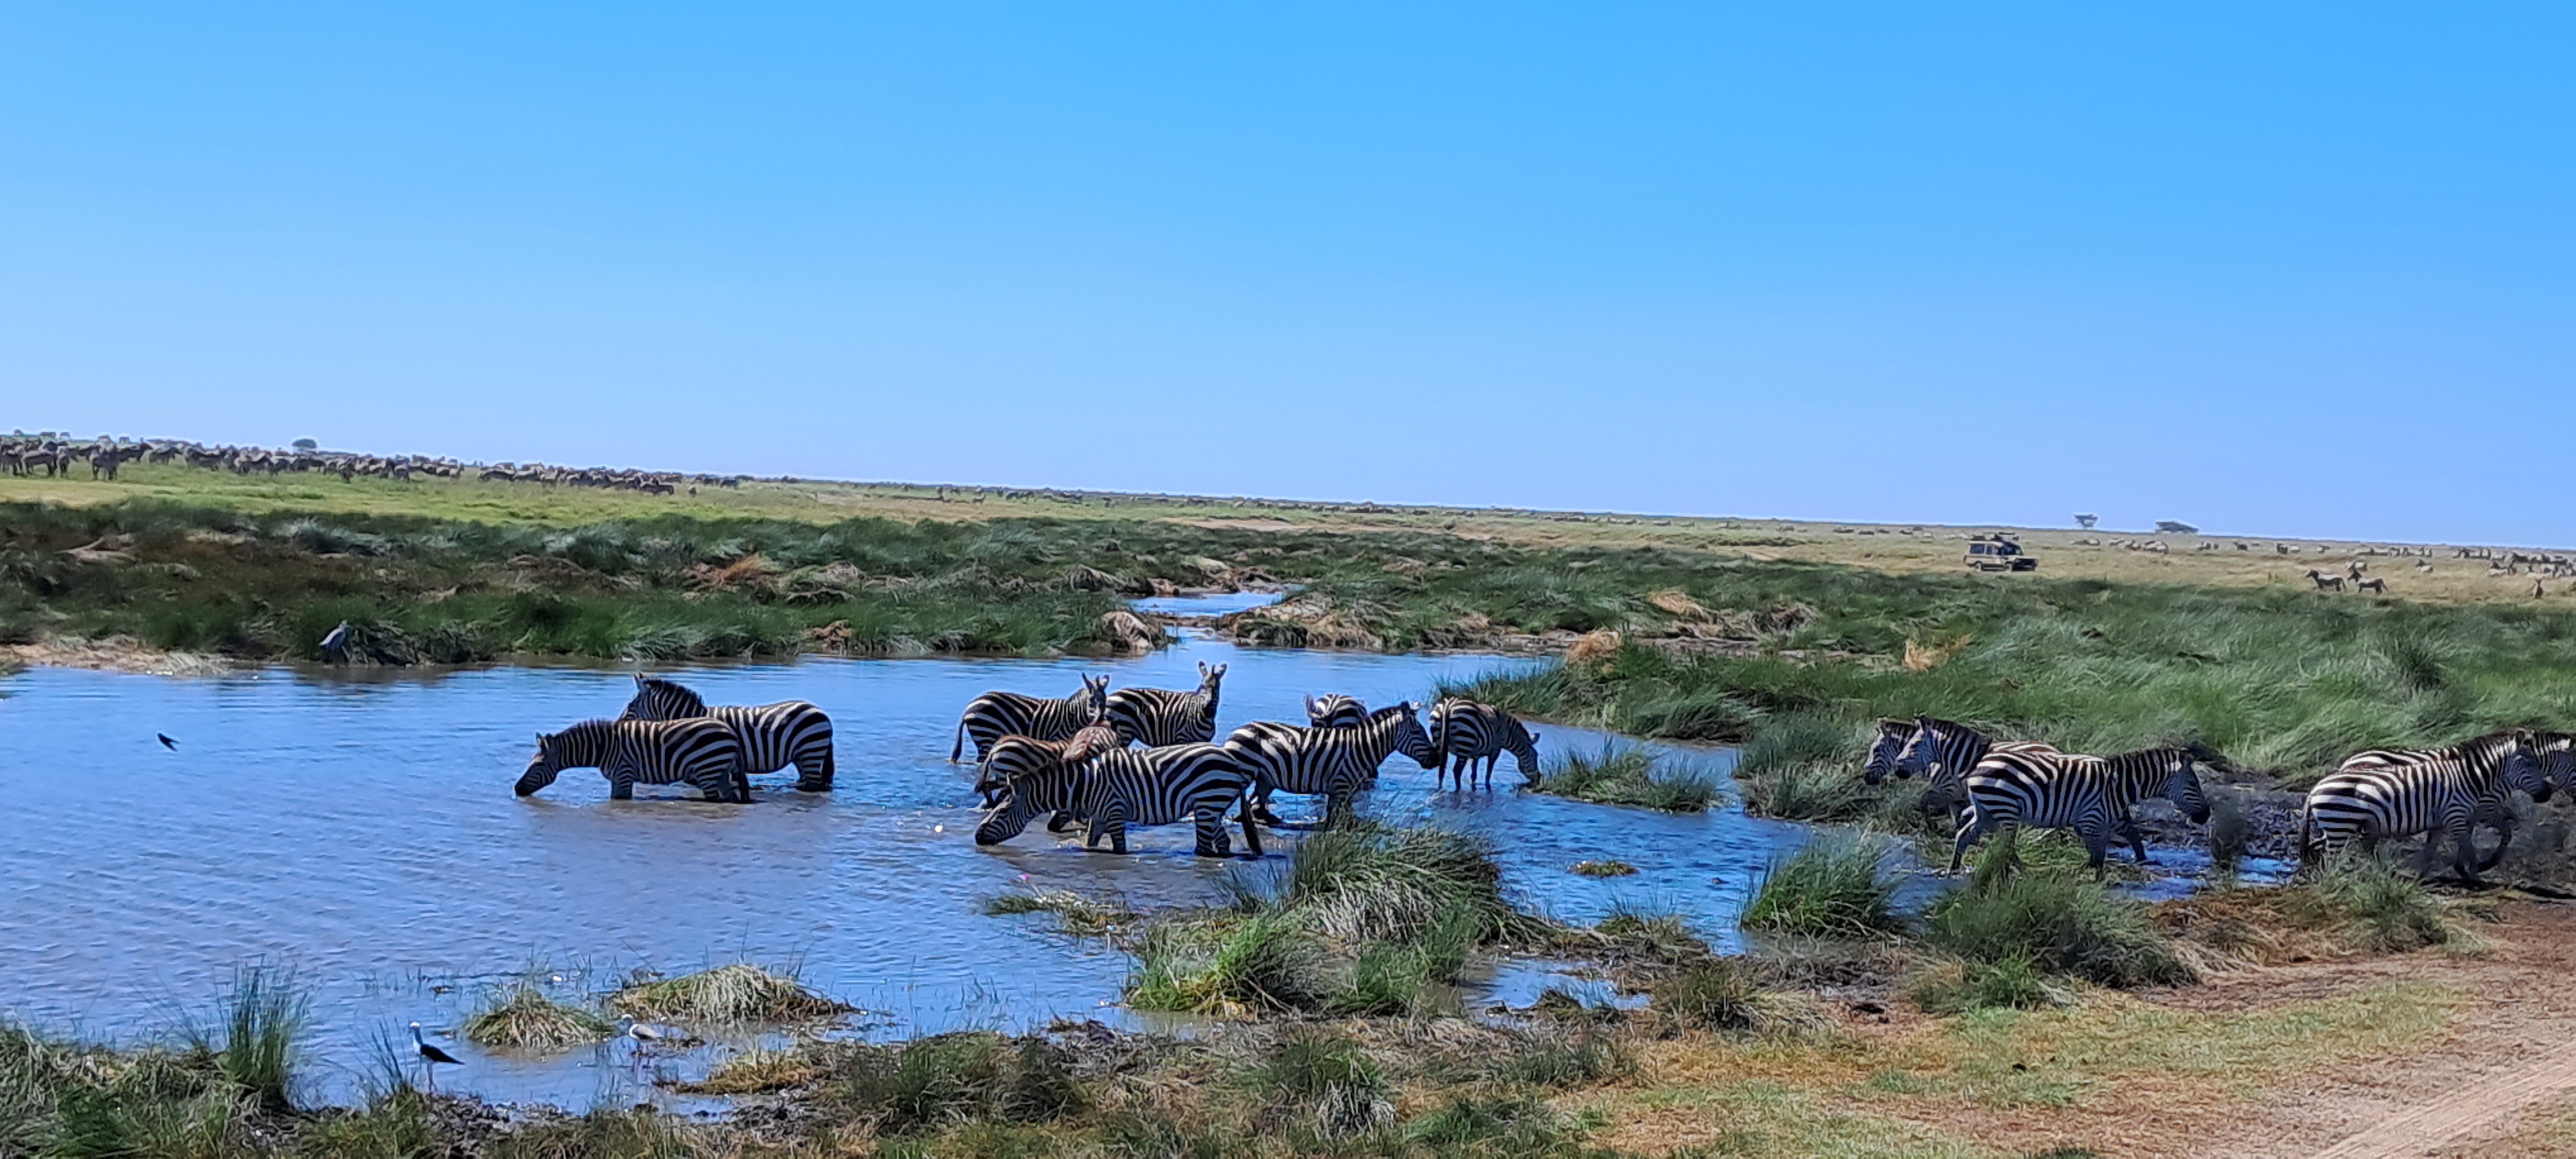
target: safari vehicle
<point>1997,553</point>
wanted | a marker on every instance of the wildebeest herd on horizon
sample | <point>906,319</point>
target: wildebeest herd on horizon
<point>1138,757</point>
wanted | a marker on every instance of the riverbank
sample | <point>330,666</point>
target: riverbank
<point>2298,1016</point>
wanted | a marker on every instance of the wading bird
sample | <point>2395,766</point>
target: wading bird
<point>431,1057</point>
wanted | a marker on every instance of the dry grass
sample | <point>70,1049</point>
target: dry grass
<point>526,1019</point>
<point>758,1072</point>
<point>738,994</point>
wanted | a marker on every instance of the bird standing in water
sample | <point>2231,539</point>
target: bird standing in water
<point>431,1057</point>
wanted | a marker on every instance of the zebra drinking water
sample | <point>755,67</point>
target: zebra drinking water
<point>700,751</point>
<point>998,714</point>
<point>1465,731</point>
<point>1123,787</point>
<point>2047,789</point>
<point>1335,763</point>
<point>2443,793</point>
<point>1159,716</point>
<point>774,736</point>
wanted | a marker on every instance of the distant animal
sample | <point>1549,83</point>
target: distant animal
<point>701,751</point>
<point>774,736</point>
<point>332,640</point>
<point>2444,793</point>
<point>166,742</point>
<point>2373,584</point>
<point>1465,731</point>
<point>2355,568</point>
<point>998,714</point>
<point>1334,710</point>
<point>2324,582</point>
<point>1122,787</point>
<point>431,1057</point>
<point>2089,794</point>
<point>1158,716</point>
<point>1334,763</point>
<point>2537,591</point>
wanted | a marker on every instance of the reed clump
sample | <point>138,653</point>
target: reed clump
<point>525,1018</point>
<point>2055,920</point>
<point>1631,776</point>
<point>1835,886</point>
<point>735,994</point>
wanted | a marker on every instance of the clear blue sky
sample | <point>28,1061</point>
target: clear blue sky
<point>2268,268</point>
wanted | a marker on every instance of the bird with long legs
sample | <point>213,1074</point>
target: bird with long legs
<point>431,1058</point>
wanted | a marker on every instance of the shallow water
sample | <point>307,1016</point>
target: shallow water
<point>360,828</point>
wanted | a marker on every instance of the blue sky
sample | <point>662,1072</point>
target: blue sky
<point>2298,269</point>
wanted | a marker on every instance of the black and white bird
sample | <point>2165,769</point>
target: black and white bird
<point>431,1057</point>
<point>331,642</point>
<point>166,742</point>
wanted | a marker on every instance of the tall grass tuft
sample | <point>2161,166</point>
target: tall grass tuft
<point>526,1019</point>
<point>1832,887</point>
<point>2379,904</point>
<point>2059,921</point>
<point>1321,1082</point>
<point>1632,776</point>
<point>963,1077</point>
<point>736,994</point>
<point>255,1034</point>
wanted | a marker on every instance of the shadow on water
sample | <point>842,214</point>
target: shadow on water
<point>361,828</point>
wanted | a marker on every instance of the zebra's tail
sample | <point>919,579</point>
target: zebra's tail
<point>959,749</point>
<point>2307,838</point>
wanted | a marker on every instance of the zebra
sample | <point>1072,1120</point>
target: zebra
<point>1332,762</point>
<point>1464,731</point>
<point>1947,750</point>
<point>999,714</point>
<point>2324,582</point>
<point>1157,716</point>
<point>2443,793</point>
<point>1012,755</point>
<point>2048,789</point>
<point>1334,710</point>
<point>700,751</point>
<point>1123,787</point>
<point>774,736</point>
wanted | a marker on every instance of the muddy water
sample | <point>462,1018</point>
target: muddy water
<point>361,830</point>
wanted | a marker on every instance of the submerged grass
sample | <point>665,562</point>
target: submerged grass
<point>1631,776</point>
<point>735,994</point>
<point>525,1018</point>
<point>1075,913</point>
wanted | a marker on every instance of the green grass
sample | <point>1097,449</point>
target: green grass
<point>1631,776</point>
<point>1321,1083</point>
<point>1075,913</point>
<point>738,994</point>
<point>1835,886</point>
<point>2379,903</point>
<point>254,1036</point>
<point>2054,920</point>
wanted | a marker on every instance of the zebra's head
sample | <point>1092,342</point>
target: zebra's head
<point>2525,767</point>
<point>1883,752</point>
<point>2556,752</point>
<point>1094,697</point>
<point>1209,678</point>
<point>543,768</point>
<point>1409,737</point>
<point>1920,750</point>
<point>1047,786</point>
<point>2182,785</point>
<point>658,699</point>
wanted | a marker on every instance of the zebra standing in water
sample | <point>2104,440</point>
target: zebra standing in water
<point>774,736</point>
<point>1335,763</point>
<point>999,714</point>
<point>1158,716</point>
<point>2047,789</point>
<point>2443,793</point>
<point>702,751</point>
<point>1334,710</point>
<point>1123,787</point>
<point>1465,731</point>
<point>1012,755</point>
<point>1947,751</point>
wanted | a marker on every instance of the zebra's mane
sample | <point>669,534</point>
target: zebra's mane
<point>688,697</point>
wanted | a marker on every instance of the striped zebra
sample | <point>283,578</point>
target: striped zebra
<point>999,714</point>
<point>2047,789</point>
<point>1013,755</point>
<point>1123,787</point>
<point>774,736</point>
<point>2443,793</point>
<point>1334,710</point>
<point>1335,763</point>
<point>1946,750</point>
<point>1155,717</point>
<point>700,751</point>
<point>1465,731</point>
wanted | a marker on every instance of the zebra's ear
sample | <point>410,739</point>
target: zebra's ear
<point>639,680</point>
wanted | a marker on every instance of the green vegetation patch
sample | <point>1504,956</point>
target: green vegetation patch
<point>1835,886</point>
<point>735,994</point>
<point>1631,776</point>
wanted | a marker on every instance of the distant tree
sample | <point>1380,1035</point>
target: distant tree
<point>307,445</point>
<point>2087,521</point>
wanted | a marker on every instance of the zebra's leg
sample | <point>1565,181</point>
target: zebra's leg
<point>1062,820</point>
<point>1251,831</point>
<point>2129,831</point>
<point>1975,826</point>
<point>2503,821</point>
<point>820,779</point>
<point>2097,847</point>
<point>1210,820</point>
<point>621,788</point>
<point>1488,786</point>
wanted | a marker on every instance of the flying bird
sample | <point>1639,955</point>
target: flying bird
<point>431,1057</point>
<point>166,742</point>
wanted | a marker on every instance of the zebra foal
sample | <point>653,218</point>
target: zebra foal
<point>1121,787</point>
<point>774,736</point>
<point>995,715</point>
<point>1154,717</point>
<point>1466,731</point>
<point>2443,793</point>
<point>703,752</point>
<point>1334,763</point>
<point>2047,789</point>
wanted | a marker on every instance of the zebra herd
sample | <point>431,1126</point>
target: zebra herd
<point>1071,757</point>
<point>2443,794</point>
<point>668,735</point>
<point>56,454</point>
